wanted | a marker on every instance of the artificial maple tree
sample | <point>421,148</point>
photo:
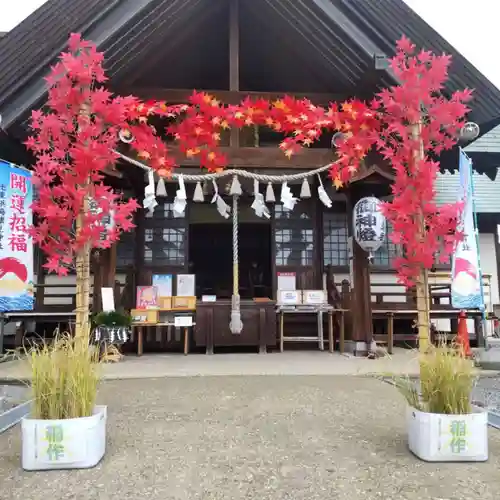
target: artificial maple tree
<point>72,141</point>
<point>75,140</point>
<point>417,122</point>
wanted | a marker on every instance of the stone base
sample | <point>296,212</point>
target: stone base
<point>488,359</point>
<point>359,349</point>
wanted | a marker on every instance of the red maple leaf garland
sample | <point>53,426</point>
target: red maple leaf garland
<point>74,147</point>
<point>416,106</point>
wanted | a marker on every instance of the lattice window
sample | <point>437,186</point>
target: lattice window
<point>294,236</point>
<point>335,239</point>
<point>335,243</point>
<point>164,238</point>
<point>385,255</point>
<point>125,249</point>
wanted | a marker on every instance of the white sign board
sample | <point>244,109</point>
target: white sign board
<point>186,285</point>
<point>183,321</point>
<point>108,299</point>
<point>314,297</point>
<point>289,297</point>
<point>209,298</point>
<point>287,281</point>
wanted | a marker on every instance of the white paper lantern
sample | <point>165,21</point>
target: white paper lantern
<point>369,224</point>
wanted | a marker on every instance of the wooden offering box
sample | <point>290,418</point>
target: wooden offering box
<point>144,316</point>
<point>165,303</point>
<point>183,303</point>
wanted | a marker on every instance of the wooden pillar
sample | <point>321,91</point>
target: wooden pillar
<point>96,263</point>
<point>362,326</point>
<point>104,271</point>
<point>110,266</point>
<point>139,220</point>
<point>234,59</point>
<point>40,281</point>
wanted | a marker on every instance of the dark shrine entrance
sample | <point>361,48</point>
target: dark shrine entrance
<point>211,258</point>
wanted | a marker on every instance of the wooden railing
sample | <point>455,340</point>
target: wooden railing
<point>395,296</point>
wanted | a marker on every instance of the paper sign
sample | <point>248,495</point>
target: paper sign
<point>314,297</point>
<point>163,282</point>
<point>287,281</point>
<point>289,297</point>
<point>209,298</point>
<point>186,285</point>
<point>183,321</point>
<point>147,297</point>
<point>108,299</point>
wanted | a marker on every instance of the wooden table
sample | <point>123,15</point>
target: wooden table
<point>319,311</point>
<point>139,327</point>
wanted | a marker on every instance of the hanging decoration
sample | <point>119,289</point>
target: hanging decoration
<point>287,197</point>
<point>235,189</point>
<point>180,200</point>
<point>199,195</point>
<point>325,199</point>
<point>150,202</point>
<point>258,204</point>
<point>305,189</point>
<point>161,188</point>
<point>369,225</point>
<point>469,132</point>
<point>270,198</point>
<point>222,207</point>
<point>125,135</point>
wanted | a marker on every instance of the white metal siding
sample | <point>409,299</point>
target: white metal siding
<point>487,143</point>
<point>486,191</point>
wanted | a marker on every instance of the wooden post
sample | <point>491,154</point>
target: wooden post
<point>82,297</point>
<point>362,326</point>
<point>422,284</point>
<point>234,59</point>
<point>109,276</point>
<point>96,266</point>
<point>82,328</point>
<point>40,281</point>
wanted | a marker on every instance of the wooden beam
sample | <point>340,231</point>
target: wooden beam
<point>179,96</point>
<point>234,60</point>
<point>271,157</point>
<point>234,46</point>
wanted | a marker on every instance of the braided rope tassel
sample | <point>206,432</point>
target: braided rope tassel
<point>236,325</point>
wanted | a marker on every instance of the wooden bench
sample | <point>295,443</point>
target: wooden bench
<point>391,314</point>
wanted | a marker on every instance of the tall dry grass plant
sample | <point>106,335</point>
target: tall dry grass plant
<point>447,378</point>
<point>65,377</point>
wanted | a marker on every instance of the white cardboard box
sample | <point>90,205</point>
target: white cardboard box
<point>448,438</point>
<point>75,443</point>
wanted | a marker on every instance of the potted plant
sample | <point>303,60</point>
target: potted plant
<point>111,329</point>
<point>65,428</point>
<point>443,425</point>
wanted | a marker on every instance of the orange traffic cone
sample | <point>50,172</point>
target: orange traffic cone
<point>463,334</point>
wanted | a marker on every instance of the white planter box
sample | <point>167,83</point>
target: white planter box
<point>76,443</point>
<point>448,438</point>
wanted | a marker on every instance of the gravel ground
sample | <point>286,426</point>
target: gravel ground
<point>254,438</point>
